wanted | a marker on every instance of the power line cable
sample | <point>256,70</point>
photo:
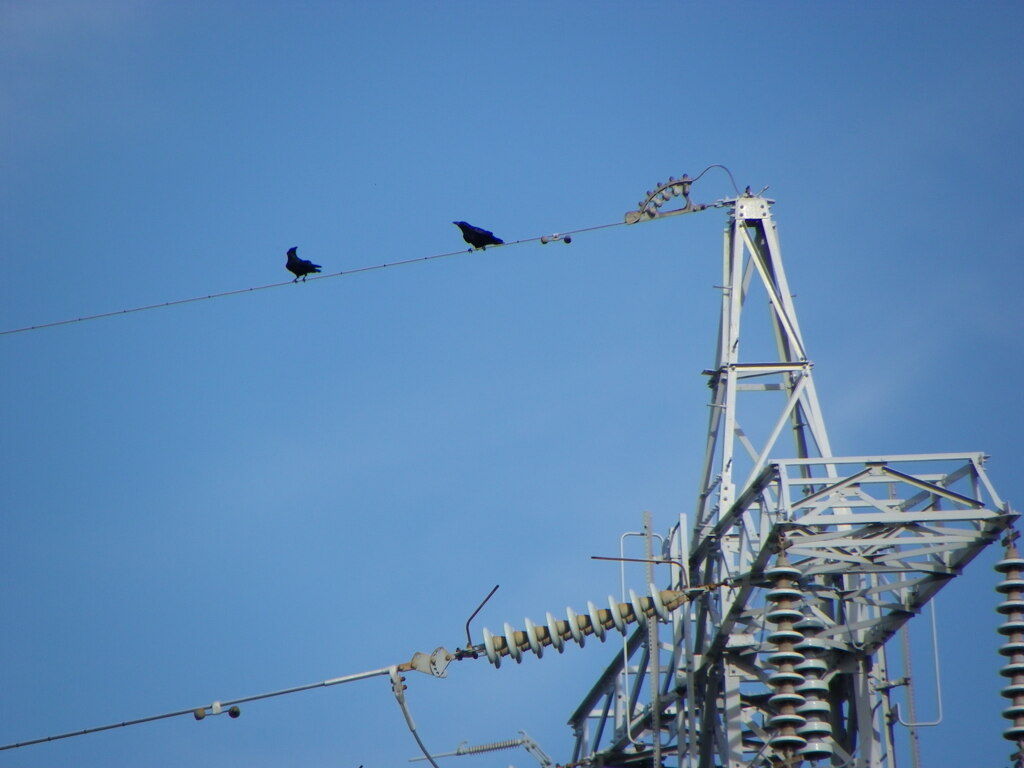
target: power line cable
<point>218,707</point>
<point>201,712</point>
<point>564,236</point>
<point>342,273</point>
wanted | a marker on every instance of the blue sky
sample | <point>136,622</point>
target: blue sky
<point>234,496</point>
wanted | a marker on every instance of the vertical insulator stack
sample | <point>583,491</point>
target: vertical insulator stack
<point>784,598</point>
<point>818,729</point>
<point>1012,587</point>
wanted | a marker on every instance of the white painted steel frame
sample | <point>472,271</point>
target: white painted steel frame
<point>875,538</point>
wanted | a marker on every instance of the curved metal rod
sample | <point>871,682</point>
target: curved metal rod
<point>469,639</point>
<point>727,171</point>
<point>938,682</point>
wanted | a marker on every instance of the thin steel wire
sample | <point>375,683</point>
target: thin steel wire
<point>334,681</point>
<point>342,273</point>
<point>193,710</point>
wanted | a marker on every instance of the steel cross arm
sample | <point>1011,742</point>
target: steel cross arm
<point>891,615</point>
<point>940,489</point>
<point>846,547</point>
<point>753,370</point>
<point>845,563</point>
<point>927,590</point>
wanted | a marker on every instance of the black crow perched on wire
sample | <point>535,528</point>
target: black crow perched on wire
<point>477,237</point>
<point>300,267</point>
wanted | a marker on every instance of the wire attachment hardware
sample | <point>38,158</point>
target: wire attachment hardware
<point>470,650</point>
<point>435,664</point>
<point>216,709</point>
<point>650,207</point>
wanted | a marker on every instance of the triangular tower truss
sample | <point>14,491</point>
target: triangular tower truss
<point>816,559</point>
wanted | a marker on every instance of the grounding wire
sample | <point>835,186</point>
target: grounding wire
<point>398,688</point>
<point>356,270</point>
<point>728,173</point>
<point>194,710</point>
<point>341,273</point>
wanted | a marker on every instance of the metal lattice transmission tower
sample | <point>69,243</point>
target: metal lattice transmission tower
<point>816,559</point>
